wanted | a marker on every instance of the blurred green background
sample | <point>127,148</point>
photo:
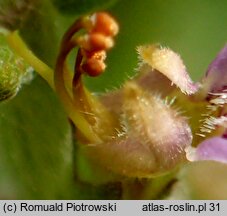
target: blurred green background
<point>196,29</point>
<point>35,142</point>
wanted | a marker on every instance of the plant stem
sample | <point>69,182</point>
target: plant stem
<point>156,188</point>
<point>61,68</point>
<point>147,189</point>
<point>18,45</point>
<point>73,112</point>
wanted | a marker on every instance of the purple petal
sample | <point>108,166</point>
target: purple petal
<point>151,140</point>
<point>169,64</point>
<point>212,149</point>
<point>154,81</point>
<point>216,74</point>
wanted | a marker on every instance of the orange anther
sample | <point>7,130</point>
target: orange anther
<point>99,55</point>
<point>95,42</point>
<point>93,67</point>
<point>105,24</point>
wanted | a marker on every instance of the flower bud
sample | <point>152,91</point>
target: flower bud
<point>12,72</point>
<point>152,138</point>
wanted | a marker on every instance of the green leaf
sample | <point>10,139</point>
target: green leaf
<point>35,146</point>
<point>41,32</point>
<point>77,7</point>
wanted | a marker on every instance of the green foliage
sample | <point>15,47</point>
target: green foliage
<point>77,7</point>
<point>35,146</point>
<point>41,33</point>
<point>195,29</point>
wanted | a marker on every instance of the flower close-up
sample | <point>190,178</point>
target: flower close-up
<point>157,134</point>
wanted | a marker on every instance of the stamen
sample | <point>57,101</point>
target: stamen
<point>90,60</point>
